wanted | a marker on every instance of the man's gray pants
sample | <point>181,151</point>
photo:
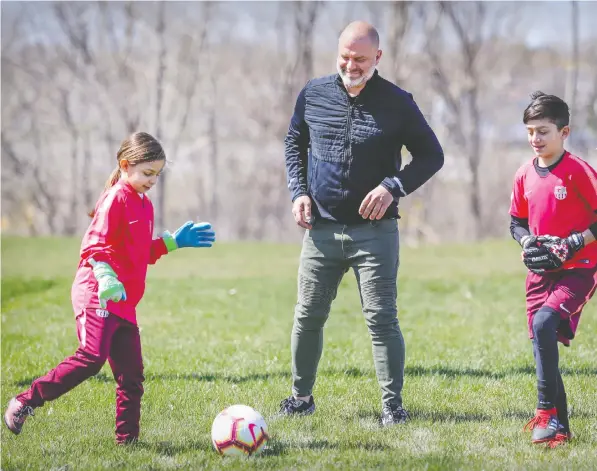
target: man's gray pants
<point>329,250</point>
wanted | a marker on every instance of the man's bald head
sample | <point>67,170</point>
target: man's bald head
<point>359,31</point>
<point>358,54</point>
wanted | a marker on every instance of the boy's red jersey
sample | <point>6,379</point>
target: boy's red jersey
<point>120,234</point>
<point>558,200</point>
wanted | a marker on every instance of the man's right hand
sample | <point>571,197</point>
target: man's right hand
<point>301,210</point>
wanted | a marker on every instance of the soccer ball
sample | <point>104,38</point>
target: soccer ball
<point>239,431</point>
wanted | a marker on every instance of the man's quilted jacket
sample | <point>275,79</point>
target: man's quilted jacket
<point>339,148</point>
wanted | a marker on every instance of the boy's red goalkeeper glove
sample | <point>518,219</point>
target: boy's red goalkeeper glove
<point>551,252</point>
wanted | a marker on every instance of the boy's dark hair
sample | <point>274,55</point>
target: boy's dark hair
<point>548,107</point>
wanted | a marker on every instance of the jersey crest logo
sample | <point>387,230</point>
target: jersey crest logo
<point>102,313</point>
<point>560,192</point>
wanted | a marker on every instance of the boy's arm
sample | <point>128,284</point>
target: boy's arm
<point>519,228</point>
<point>587,187</point>
<point>519,213</point>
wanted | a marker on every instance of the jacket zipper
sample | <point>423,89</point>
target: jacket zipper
<point>348,149</point>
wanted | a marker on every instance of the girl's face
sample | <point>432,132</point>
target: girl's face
<point>142,176</point>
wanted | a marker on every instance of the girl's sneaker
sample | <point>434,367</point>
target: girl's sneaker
<point>15,415</point>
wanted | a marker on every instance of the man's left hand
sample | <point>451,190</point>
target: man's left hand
<point>376,203</point>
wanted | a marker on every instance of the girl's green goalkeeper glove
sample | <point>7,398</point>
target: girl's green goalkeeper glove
<point>109,288</point>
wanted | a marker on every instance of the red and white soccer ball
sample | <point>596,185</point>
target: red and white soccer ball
<point>239,431</point>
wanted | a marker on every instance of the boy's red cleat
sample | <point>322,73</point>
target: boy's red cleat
<point>544,425</point>
<point>15,415</point>
<point>561,438</point>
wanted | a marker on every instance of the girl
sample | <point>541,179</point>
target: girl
<point>109,283</point>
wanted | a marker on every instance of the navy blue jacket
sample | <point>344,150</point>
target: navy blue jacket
<point>339,148</point>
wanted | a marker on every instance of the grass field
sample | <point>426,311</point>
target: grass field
<point>216,329</point>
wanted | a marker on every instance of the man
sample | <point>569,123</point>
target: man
<point>343,160</point>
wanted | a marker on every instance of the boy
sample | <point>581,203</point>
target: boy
<point>554,218</point>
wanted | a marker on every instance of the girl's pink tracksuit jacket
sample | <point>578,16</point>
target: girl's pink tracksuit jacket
<point>120,235</point>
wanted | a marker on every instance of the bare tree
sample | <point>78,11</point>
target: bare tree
<point>300,69</point>
<point>78,76</point>
<point>86,61</point>
<point>270,106</point>
<point>572,82</point>
<point>73,129</point>
<point>190,69</point>
<point>459,84</point>
<point>399,21</point>
<point>591,102</point>
<point>29,143</point>
<point>160,224</point>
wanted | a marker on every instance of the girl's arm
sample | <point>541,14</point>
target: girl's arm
<point>157,250</point>
<point>187,235</point>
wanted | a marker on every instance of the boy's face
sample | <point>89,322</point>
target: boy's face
<point>545,139</point>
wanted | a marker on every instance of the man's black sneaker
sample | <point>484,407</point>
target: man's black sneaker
<point>392,414</point>
<point>294,406</point>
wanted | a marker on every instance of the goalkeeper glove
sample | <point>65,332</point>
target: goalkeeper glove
<point>552,252</point>
<point>563,249</point>
<point>528,241</point>
<point>190,235</point>
<point>109,288</point>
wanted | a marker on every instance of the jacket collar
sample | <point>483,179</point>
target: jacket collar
<point>127,188</point>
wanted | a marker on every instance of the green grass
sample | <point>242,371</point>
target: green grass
<point>216,329</point>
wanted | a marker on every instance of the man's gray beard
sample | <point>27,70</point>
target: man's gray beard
<point>356,82</point>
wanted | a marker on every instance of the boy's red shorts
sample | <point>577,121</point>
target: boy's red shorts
<point>565,291</point>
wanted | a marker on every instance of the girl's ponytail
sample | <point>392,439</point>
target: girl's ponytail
<point>114,177</point>
<point>110,182</point>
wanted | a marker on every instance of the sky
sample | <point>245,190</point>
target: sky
<point>549,21</point>
<point>542,22</point>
